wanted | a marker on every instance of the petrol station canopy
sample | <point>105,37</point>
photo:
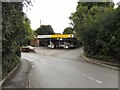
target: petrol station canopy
<point>57,36</point>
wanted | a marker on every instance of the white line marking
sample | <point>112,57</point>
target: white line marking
<point>98,81</point>
<point>91,78</point>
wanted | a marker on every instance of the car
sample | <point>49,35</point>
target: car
<point>66,47</point>
<point>51,45</point>
<point>28,49</point>
<point>70,45</point>
<point>61,46</point>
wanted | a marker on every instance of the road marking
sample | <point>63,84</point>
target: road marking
<point>91,78</point>
<point>98,81</point>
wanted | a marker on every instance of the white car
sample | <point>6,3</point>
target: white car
<point>28,49</point>
<point>31,48</point>
<point>51,46</point>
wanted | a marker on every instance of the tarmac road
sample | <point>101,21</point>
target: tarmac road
<point>56,68</point>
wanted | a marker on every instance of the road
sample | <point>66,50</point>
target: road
<point>57,68</point>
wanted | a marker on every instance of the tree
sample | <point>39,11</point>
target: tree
<point>15,29</point>
<point>27,34</point>
<point>91,4</point>
<point>78,19</point>
<point>45,30</point>
<point>68,30</point>
<point>81,13</point>
<point>97,26</point>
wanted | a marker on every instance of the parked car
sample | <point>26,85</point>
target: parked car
<point>28,49</point>
<point>51,45</point>
<point>71,45</point>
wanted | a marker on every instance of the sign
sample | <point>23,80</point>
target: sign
<point>62,36</point>
<point>56,36</point>
<point>44,36</point>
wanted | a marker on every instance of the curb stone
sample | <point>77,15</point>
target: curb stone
<point>101,63</point>
<point>27,84</point>
<point>1,82</point>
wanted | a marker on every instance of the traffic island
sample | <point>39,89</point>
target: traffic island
<point>101,63</point>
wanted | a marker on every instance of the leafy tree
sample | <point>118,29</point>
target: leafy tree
<point>82,13</point>
<point>68,30</point>
<point>91,4</point>
<point>27,33</point>
<point>15,30</point>
<point>45,30</point>
<point>97,26</point>
<point>78,19</point>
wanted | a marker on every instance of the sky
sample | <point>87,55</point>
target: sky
<point>52,12</point>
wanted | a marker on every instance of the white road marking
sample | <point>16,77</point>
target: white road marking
<point>98,81</point>
<point>91,78</point>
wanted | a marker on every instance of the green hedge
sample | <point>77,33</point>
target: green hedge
<point>10,59</point>
<point>16,31</point>
<point>98,27</point>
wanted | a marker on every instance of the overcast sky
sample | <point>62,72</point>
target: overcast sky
<point>52,12</point>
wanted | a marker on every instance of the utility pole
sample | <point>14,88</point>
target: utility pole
<point>40,22</point>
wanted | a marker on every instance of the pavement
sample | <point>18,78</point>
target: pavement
<point>65,69</point>
<point>20,77</point>
<point>100,63</point>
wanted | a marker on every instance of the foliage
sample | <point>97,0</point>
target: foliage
<point>45,30</point>
<point>15,31</point>
<point>27,33</point>
<point>68,30</point>
<point>98,27</point>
